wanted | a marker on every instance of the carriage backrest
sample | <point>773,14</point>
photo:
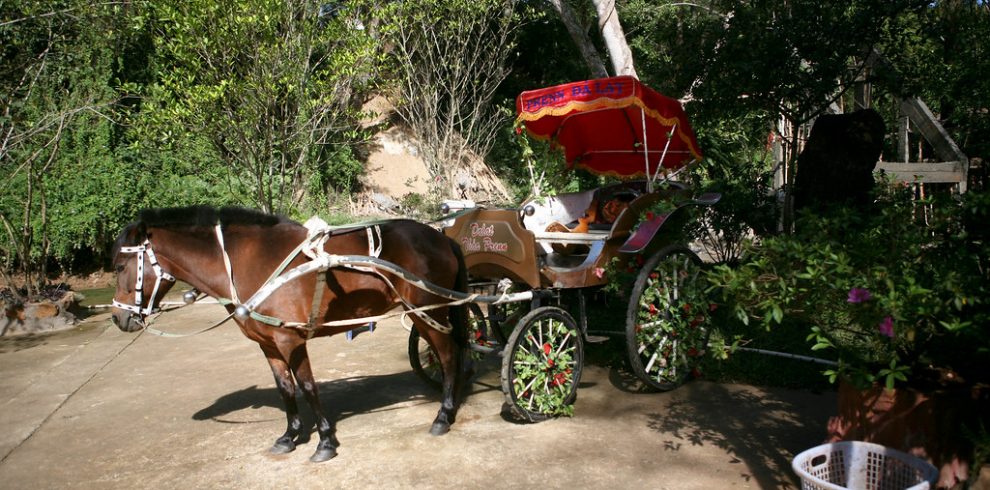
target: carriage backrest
<point>561,208</point>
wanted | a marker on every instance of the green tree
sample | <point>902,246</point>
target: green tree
<point>272,85</point>
<point>52,87</point>
<point>941,54</point>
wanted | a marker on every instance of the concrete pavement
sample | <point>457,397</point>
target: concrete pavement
<point>98,408</point>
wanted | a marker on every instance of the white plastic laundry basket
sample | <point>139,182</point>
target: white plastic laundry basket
<point>856,465</point>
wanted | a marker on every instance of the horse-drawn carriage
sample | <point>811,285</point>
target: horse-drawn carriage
<point>515,280</point>
<point>566,246</point>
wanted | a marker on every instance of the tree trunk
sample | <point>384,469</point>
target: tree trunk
<point>580,37</point>
<point>615,38</point>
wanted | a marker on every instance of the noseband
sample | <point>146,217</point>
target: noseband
<point>140,251</point>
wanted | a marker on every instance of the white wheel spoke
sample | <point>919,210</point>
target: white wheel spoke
<point>653,358</point>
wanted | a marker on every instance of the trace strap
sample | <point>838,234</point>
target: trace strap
<point>141,251</point>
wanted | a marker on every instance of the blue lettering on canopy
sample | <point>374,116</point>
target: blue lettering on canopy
<point>608,88</point>
<point>536,103</point>
<point>580,90</point>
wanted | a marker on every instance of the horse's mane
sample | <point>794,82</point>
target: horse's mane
<point>202,215</point>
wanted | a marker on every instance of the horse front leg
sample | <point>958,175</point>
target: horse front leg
<point>299,362</point>
<point>287,389</point>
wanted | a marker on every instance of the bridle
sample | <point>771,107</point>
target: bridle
<point>140,251</point>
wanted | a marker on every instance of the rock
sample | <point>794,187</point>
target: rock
<point>384,202</point>
<point>38,317</point>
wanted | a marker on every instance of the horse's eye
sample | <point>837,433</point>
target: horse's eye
<point>119,269</point>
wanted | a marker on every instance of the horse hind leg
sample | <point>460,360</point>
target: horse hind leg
<point>450,363</point>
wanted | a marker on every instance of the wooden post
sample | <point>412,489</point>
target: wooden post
<point>903,137</point>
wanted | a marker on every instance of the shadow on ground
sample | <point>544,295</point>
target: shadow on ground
<point>762,432</point>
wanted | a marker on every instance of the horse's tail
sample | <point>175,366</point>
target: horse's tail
<point>458,314</point>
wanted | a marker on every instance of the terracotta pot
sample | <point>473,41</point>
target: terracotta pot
<point>927,424</point>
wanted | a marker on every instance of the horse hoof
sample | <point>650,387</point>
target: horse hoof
<point>322,455</point>
<point>439,428</point>
<point>283,448</point>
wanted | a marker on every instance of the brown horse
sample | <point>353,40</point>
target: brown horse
<point>188,244</point>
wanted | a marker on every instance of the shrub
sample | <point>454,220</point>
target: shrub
<point>898,293</point>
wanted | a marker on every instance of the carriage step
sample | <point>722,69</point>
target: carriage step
<point>596,339</point>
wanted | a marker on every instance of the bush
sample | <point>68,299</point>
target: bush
<point>898,293</point>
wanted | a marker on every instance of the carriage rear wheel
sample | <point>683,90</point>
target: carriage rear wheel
<point>541,365</point>
<point>667,319</point>
<point>424,360</point>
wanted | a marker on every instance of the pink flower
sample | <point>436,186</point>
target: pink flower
<point>599,272</point>
<point>886,327</point>
<point>859,295</point>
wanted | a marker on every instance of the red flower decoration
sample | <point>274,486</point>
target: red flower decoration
<point>547,348</point>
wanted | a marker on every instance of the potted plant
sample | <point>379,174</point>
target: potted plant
<point>898,296</point>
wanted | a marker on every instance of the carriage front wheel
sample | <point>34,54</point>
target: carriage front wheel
<point>666,323</point>
<point>541,364</point>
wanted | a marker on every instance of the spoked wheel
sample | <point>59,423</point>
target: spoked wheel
<point>504,317</point>
<point>424,360</point>
<point>666,323</point>
<point>541,366</point>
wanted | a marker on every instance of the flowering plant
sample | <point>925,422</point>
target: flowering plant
<point>894,294</point>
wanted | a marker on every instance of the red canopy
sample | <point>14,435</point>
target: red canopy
<point>599,123</point>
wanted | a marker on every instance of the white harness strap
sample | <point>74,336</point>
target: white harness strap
<point>374,234</point>
<point>141,251</point>
<point>226,263</point>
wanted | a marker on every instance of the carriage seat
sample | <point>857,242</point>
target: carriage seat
<point>572,222</point>
<point>551,220</point>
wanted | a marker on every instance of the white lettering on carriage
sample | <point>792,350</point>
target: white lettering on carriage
<point>493,246</point>
<point>482,229</point>
<point>470,244</point>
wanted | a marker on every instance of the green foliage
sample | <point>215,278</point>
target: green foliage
<point>56,111</point>
<point>270,87</point>
<point>543,369</point>
<point>891,296</point>
<point>737,165</point>
<point>940,53</point>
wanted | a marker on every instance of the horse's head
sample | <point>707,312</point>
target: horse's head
<point>141,282</point>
